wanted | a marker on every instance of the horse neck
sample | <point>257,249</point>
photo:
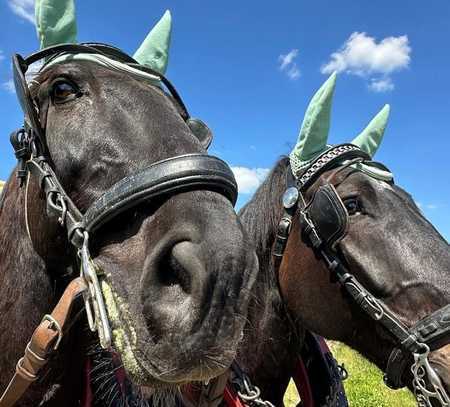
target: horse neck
<point>269,340</point>
<point>27,291</point>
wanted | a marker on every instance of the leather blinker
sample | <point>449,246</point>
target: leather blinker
<point>329,215</point>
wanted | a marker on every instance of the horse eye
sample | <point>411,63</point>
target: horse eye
<point>62,91</point>
<point>352,205</point>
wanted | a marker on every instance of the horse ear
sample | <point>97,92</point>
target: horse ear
<point>370,138</point>
<point>154,51</point>
<point>316,124</point>
<point>55,22</point>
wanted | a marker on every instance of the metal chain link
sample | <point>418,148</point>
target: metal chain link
<point>246,390</point>
<point>426,383</point>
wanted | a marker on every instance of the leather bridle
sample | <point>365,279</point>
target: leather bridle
<point>324,222</point>
<point>161,179</point>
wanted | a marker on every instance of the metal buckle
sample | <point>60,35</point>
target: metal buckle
<point>93,298</point>
<point>434,389</point>
<point>54,325</point>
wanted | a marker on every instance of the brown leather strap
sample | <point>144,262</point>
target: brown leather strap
<point>43,344</point>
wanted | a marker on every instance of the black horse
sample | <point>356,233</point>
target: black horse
<point>178,268</point>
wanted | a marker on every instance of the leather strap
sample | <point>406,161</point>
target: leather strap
<point>43,344</point>
<point>174,175</point>
<point>433,330</point>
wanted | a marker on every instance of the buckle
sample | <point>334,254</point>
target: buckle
<point>54,325</point>
<point>94,303</point>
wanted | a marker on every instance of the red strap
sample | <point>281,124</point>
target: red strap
<point>303,384</point>
<point>231,398</point>
<point>87,390</point>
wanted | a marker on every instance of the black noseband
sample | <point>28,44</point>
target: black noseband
<point>168,177</point>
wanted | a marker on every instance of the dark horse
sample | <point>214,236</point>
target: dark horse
<point>178,268</point>
<point>388,245</point>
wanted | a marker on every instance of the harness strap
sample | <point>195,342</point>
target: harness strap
<point>432,330</point>
<point>43,344</point>
<point>168,177</point>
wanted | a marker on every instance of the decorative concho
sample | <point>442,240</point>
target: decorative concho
<point>290,197</point>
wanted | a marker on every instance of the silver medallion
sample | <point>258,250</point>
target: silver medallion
<point>290,197</point>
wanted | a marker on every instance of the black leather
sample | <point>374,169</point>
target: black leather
<point>328,212</point>
<point>174,175</point>
<point>433,328</point>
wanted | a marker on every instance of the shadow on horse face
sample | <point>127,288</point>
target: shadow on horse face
<point>391,249</point>
<point>179,270</point>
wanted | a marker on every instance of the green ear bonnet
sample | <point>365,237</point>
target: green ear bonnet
<point>56,24</point>
<point>313,136</point>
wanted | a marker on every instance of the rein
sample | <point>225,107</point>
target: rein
<point>324,221</point>
<point>161,179</point>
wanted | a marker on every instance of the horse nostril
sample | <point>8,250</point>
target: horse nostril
<point>177,267</point>
<point>173,273</point>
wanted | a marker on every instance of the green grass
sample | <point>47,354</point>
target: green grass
<point>364,387</point>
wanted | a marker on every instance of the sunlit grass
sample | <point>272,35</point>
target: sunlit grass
<point>364,387</point>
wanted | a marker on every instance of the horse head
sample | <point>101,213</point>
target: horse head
<point>177,266</point>
<point>362,264</point>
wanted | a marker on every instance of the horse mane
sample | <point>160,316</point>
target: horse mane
<point>266,206</point>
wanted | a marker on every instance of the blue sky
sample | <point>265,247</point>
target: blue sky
<point>249,68</point>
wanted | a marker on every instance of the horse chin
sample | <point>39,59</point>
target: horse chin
<point>145,370</point>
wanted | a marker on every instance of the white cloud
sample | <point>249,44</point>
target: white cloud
<point>249,179</point>
<point>288,64</point>
<point>286,60</point>
<point>361,55</point>
<point>293,72</point>
<point>381,85</point>
<point>9,86</point>
<point>23,8</point>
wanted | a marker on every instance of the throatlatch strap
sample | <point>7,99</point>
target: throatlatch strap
<point>43,344</point>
